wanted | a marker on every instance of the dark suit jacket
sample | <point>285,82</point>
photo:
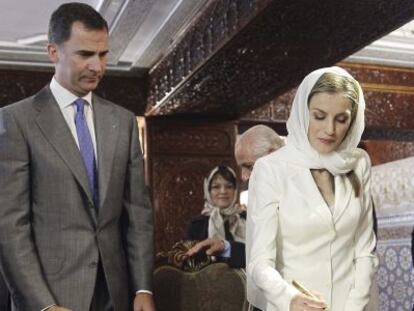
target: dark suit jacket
<point>4,295</point>
<point>52,237</point>
<point>198,230</point>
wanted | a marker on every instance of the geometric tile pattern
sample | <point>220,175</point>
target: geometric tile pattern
<point>393,194</point>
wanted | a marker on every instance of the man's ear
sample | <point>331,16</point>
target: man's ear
<point>53,52</point>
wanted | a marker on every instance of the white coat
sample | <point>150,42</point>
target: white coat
<point>293,235</point>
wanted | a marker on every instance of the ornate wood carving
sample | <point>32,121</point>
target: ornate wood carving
<point>384,110</point>
<point>382,151</point>
<point>185,140</point>
<point>178,194</point>
<point>389,134</point>
<point>176,257</point>
<point>389,110</point>
<point>177,167</point>
<point>277,110</point>
<point>382,76</point>
<point>389,95</point>
<point>129,92</point>
<point>16,85</point>
<point>216,25</point>
<point>276,46</point>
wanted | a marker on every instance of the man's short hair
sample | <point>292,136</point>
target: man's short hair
<point>61,21</point>
<point>262,140</point>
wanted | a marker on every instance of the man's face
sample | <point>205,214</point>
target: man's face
<point>245,159</point>
<point>80,62</point>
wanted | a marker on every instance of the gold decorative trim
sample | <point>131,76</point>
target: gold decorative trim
<point>379,67</point>
<point>177,257</point>
<point>387,88</point>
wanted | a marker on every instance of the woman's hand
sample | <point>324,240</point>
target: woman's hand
<point>212,247</point>
<point>301,302</point>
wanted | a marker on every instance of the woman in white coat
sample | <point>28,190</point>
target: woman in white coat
<point>309,212</point>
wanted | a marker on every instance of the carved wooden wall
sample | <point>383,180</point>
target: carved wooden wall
<point>127,91</point>
<point>389,96</point>
<point>383,151</point>
<point>180,153</point>
<point>236,55</point>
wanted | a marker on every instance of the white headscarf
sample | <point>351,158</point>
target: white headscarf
<point>237,225</point>
<point>298,149</point>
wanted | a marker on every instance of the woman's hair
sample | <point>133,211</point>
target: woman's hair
<point>224,172</point>
<point>348,87</point>
<point>337,84</point>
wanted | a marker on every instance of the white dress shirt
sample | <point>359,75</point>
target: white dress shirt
<point>65,100</point>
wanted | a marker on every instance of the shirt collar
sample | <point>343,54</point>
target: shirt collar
<point>64,97</point>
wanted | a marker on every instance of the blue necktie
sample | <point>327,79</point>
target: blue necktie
<point>86,148</point>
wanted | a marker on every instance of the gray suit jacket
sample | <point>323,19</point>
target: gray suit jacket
<point>51,234</point>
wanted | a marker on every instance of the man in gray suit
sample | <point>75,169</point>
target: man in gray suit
<point>76,228</point>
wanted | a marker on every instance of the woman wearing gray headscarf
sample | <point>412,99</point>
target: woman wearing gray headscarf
<point>222,219</point>
<point>310,211</point>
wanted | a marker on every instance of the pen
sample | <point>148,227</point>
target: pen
<point>304,290</point>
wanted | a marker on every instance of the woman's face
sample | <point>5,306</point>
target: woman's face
<point>222,192</point>
<point>329,121</point>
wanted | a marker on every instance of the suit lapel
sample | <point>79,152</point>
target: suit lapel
<point>106,126</point>
<point>307,188</point>
<point>53,126</point>
<point>343,194</point>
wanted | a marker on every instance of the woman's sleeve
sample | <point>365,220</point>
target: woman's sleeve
<point>189,235</point>
<point>365,260</point>
<point>237,257</point>
<point>262,227</point>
